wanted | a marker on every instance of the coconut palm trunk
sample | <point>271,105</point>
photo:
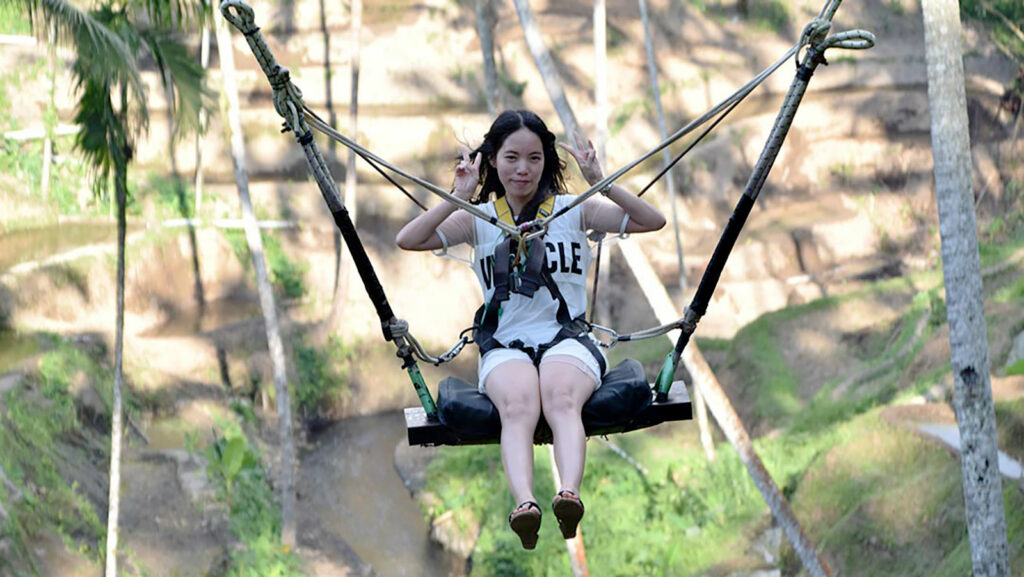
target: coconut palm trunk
<point>286,467</point>
<point>961,265</point>
<point>341,276</point>
<point>118,151</point>
<point>700,410</point>
<point>198,292</point>
<point>51,110</point>
<point>204,62</point>
<point>601,307</point>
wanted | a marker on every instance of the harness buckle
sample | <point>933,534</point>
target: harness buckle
<point>604,336</point>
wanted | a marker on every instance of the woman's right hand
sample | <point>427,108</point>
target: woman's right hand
<point>467,175</point>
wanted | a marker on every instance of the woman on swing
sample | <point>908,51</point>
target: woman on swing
<point>529,368</point>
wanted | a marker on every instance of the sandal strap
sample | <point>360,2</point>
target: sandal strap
<point>524,507</point>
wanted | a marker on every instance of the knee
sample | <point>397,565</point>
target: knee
<point>561,402</point>
<point>519,409</point>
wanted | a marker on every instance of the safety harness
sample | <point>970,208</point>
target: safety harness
<point>523,272</point>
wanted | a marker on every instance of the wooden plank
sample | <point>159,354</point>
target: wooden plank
<point>424,432</point>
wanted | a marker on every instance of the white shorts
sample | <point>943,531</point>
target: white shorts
<point>569,351</point>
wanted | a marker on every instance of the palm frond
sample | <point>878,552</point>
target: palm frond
<point>85,35</point>
<point>90,65</point>
<point>176,15</point>
<point>98,129</point>
<point>186,78</point>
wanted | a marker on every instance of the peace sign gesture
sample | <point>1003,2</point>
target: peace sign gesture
<point>467,175</point>
<point>586,158</point>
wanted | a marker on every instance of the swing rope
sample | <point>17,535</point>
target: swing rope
<point>815,37</point>
<point>299,119</point>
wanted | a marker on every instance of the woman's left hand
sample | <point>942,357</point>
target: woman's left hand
<point>586,158</point>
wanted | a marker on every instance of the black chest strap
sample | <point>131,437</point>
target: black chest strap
<point>526,282</point>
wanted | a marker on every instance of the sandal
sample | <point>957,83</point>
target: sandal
<point>525,521</point>
<point>568,510</point>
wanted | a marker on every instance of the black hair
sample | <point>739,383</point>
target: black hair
<point>552,180</point>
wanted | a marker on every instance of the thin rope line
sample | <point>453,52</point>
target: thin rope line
<point>690,147</point>
<point>714,111</point>
<point>319,124</point>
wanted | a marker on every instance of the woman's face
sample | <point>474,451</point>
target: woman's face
<point>520,163</point>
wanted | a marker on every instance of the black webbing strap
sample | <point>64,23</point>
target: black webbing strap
<point>501,272</point>
<point>485,322</point>
<point>713,272</point>
<point>531,277</point>
<point>365,268</point>
<point>716,265</point>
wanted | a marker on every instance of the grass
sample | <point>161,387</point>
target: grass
<point>876,498</point>
<point>253,514</point>
<point>40,431</point>
<point>322,376</point>
<point>286,276</point>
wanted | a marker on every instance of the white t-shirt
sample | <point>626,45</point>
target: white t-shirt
<point>533,320</point>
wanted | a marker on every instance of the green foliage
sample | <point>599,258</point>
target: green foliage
<point>285,275</point>
<point>1003,33</point>
<point>172,196</point>
<point>37,426</point>
<point>514,87</point>
<point>253,514</point>
<point>694,514</point>
<point>1012,292</point>
<point>322,374</point>
<point>755,351</point>
<point>770,15</point>
<point>1016,368</point>
<point>622,113</point>
<point>13,20</point>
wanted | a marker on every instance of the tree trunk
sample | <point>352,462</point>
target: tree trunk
<point>983,498</point>
<point>252,235</point>
<point>652,70</point>
<point>601,307</point>
<point>341,276</point>
<point>699,408</point>
<point>119,153</point>
<point>725,414</point>
<point>51,112</point>
<point>204,61</point>
<point>179,188</point>
<point>351,182</point>
<point>485,31</point>
<point>546,66</point>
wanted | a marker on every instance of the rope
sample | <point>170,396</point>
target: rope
<point>711,113</point>
<point>473,209</point>
<point>289,105</point>
<point>320,121</point>
<point>685,151</point>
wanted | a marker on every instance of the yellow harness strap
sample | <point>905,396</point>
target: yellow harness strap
<point>504,212</point>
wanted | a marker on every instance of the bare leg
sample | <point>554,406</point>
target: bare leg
<point>564,390</point>
<point>514,390</point>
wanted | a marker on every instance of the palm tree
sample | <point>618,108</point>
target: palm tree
<point>104,70</point>
<point>107,139</point>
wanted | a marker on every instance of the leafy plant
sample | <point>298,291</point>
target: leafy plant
<point>286,276</point>
<point>322,374</point>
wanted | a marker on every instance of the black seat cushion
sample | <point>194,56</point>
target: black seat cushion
<point>623,394</point>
